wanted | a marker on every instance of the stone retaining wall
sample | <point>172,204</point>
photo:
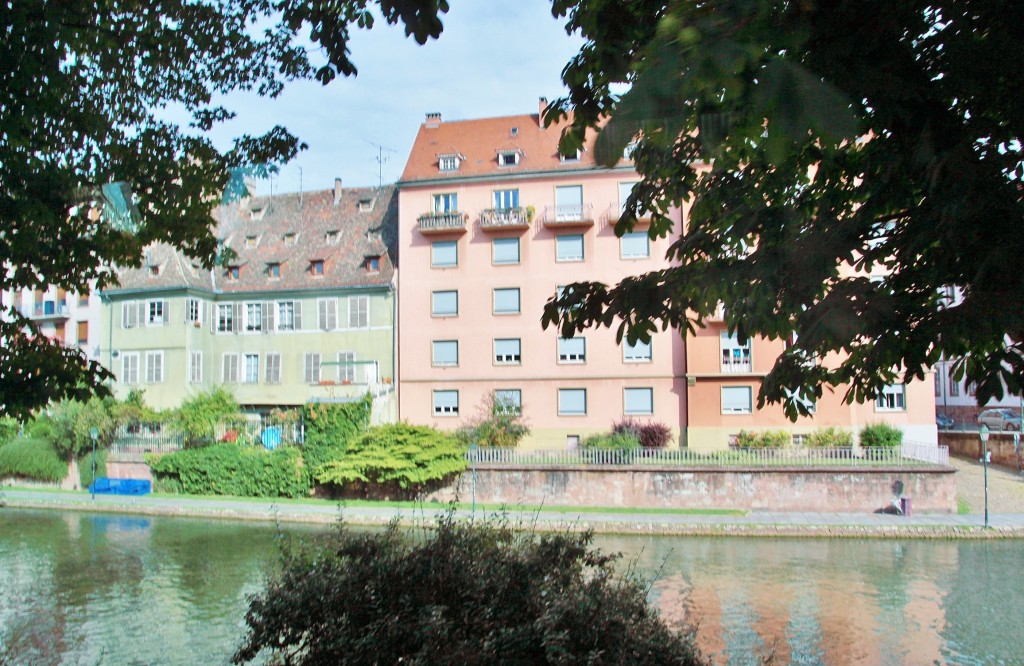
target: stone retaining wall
<point>968,445</point>
<point>857,490</point>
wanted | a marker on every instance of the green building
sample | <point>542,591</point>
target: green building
<point>304,310</point>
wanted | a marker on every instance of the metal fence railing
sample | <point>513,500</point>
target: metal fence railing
<point>766,457</point>
<point>924,452</point>
<point>162,438</point>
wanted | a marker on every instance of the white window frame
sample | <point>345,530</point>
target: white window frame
<point>631,237</point>
<point>359,311</point>
<point>435,312</point>
<point>446,163</point>
<point>566,252</point>
<point>508,401</point>
<point>250,374</point>
<point>734,398</point>
<point>565,394</point>
<point>572,350</point>
<point>444,202</point>
<point>641,352</point>
<point>285,323</point>
<point>130,368</point>
<point>434,254</point>
<point>506,199</point>
<point>506,242</point>
<point>440,353</point>
<point>506,291</point>
<point>735,358</point>
<point>194,311</point>
<point>154,367</point>
<point>893,398</point>
<point>508,356</point>
<point>642,398</point>
<point>253,316</point>
<point>195,366</point>
<point>272,368</point>
<point>443,404</point>
<point>225,322</point>
<point>504,155</point>
<point>346,367</point>
<point>156,312</point>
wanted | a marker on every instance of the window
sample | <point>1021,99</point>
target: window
<point>273,368</point>
<point>365,205</point>
<point>130,368</point>
<point>938,384</point>
<point>736,400</point>
<point>507,351</point>
<point>347,367</point>
<point>154,367</point>
<point>572,402</point>
<point>572,350</point>
<point>130,313</point>
<point>954,388</point>
<point>154,271</point>
<point>226,318</point>
<point>311,368</point>
<point>195,367</point>
<point>358,311</point>
<point>234,272</point>
<point>893,398</point>
<point>506,301</point>
<point>316,267</point>
<point>274,270</point>
<point>289,315</point>
<point>82,334</point>
<point>331,236</point>
<point>627,152</point>
<point>637,353</point>
<point>291,238</point>
<point>569,203</point>
<point>505,251</point>
<point>445,353</point>
<point>444,254</point>
<point>635,245</point>
<point>508,401</point>
<point>505,199</point>
<point>446,203</point>
<point>735,357</point>
<point>446,403</point>
<point>193,311</point>
<point>253,317</point>
<point>156,313</point>
<point>625,189</point>
<point>373,264</point>
<point>569,247</point>
<point>448,163</point>
<point>327,314</point>
<point>972,389</point>
<point>229,368</point>
<point>444,303</point>
<point>508,158</point>
<point>252,369</point>
<point>570,157</point>
<point>83,299</point>
<point>251,241</point>
<point>638,401</point>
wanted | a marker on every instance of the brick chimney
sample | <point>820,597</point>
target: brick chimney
<point>542,105</point>
<point>433,120</point>
<point>337,191</point>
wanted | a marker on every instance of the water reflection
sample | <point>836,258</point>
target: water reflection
<point>90,588</point>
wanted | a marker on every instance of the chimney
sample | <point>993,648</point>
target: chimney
<point>542,106</point>
<point>433,120</point>
<point>337,191</point>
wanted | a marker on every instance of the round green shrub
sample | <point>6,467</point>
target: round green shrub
<point>829,438</point>
<point>880,435</point>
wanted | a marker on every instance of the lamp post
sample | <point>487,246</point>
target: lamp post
<point>983,434</point>
<point>472,457</point>
<point>94,434</point>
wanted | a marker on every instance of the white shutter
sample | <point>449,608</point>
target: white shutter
<point>297,316</point>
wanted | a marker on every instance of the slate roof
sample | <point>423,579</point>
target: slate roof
<point>478,142</point>
<point>290,230</point>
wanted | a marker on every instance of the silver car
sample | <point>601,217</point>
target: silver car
<point>1000,419</point>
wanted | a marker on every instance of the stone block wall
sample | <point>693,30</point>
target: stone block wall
<point>968,445</point>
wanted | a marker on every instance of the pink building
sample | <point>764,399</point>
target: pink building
<point>493,220</point>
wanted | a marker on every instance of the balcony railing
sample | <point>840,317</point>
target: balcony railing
<point>48,310</point>
<point>505,218</point>
<point>439,223</point>
<point>568,215</point>
<point>734,364</point>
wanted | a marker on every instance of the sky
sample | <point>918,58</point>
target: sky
<point>494,58</point>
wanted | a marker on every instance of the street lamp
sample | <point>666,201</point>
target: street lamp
<point>94,433</point>
<point>983,434</point>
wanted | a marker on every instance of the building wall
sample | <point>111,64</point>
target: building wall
<point>71,318</point>
<point>540,374</point>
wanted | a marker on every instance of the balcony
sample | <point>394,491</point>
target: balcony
<point>442,223</point>
<point>570,215</point>
<point>736,363</point>
<point>501,219</point>
<point>48,310</point>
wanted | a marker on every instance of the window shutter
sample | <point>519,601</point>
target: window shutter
<point>211,312</point>
<point>268,316</point>
<point>141,313</point>
<point>124,324</point>
<point>297,316</point>
<point>167,311</point>
<point>236,317</point>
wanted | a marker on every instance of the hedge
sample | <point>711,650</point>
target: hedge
<point>32,458</point>
<point>881,435</point>
<point>231,469</point>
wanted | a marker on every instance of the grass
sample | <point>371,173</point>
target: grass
<point>963,508</point>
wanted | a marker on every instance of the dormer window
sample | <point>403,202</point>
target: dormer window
<point>256,212</point>
<point>507,158</point>
<point>252,241</point>
<point>154,270</point>
<point>571,157</point>
<point>331,236</point>
<point>366,205</point>
<point>448,162</point>
<point>373,264</point>
<point>234,272</point>
<point>290,238</point>
<point>274,270</point>
<point>316,267</point>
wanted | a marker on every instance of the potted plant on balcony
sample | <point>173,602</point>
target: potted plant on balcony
<point>530,212</point>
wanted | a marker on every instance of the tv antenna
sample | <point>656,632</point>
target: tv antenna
<point>381,159</point>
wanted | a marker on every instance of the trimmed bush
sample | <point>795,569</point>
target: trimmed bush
<point>230,469</point>
<point>85,477</point>
<point>651,435</point>
<point>612,441</point>
<point>765,439</point>
<point>831,438</point>
<point>881,435</point>
<point>32,458</point>
<point>407,456</point>
<point>8,430</point>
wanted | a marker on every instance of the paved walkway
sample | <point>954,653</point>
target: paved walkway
<point>1002,524</point>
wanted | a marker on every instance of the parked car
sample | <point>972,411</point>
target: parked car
<point>944,422</point>
<point>1000,419</point>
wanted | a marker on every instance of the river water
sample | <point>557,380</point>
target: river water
<point>79,588</point>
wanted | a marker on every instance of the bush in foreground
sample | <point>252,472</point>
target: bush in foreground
<point>461,594</point>
<point>881,434</point>
<point>766,439</point>
<point>829,438</point>
<point>32,458</point>
<point>231,469</point>
<point>651,435</point>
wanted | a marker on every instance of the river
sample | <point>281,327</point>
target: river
<point>80,588</point>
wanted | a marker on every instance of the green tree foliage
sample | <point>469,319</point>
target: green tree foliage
<point>499,424</point>
<point>199,417</point>
<point>806,136</point>
<point>72,422</point>
<point>881,434</point>
<point>91,172</point>
<point>407,456</point>
<point>651,435</point>
<point>85,476</point>
<point>463,594</point>
<point>32,458</point>
<point>8,429</point>
<point>328,426</point>
<point>829,438</point>
<point>230,469</point>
